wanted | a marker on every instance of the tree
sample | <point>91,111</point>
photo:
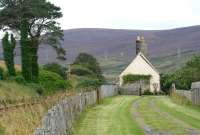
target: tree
<point>56,68</point>
<point>36,21</point>
<point>8,52</point>
<point>183,77</point>
<point>89,62</point>
<point>25,52</point>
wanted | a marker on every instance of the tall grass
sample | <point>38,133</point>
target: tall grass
<point>23,109</point>
<point>14,91</point>
<point>24,120</point>
<point>179,99</point>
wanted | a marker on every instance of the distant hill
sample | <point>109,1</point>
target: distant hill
<point>112,42</point>
<point>115,48</point>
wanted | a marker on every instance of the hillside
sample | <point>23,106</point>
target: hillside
<point>115,48</point>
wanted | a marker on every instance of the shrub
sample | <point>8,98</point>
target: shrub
<point>51,81</point>
<point>81,70</point>
<point>88,83</point>
<point>19,79</point>
<point>37,87</point>
<point>89,62</point>
<point>147,92</point>
<point>130,78</point>
<point>1,73</point>
<point>184,76</point>
<point>56,68</point>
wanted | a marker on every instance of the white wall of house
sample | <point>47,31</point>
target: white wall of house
<point>141,66</point>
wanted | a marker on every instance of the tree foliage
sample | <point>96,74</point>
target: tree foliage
<point>52,82</point>
<point>183,77</point>
<point>35,21</point>
<point>56,68</point>
<point>130,78</point>
<point>25,52</point>
<point>8,52</point>
<point>87,61</point>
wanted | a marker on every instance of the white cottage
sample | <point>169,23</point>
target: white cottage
<point>142,66</point>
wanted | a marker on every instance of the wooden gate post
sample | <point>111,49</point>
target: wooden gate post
<point>98,96</point>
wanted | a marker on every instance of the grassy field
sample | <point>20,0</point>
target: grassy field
<point>112,117</point>
<point>14,91</point>
<point>129,115</point>
<point>25,119</point>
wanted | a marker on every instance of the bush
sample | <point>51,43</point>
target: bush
<point>88,83</point>
<point>52,81</point>
<point>91,64</point>
<point>81,71</point>
<point>37,87</point>
<point>19,79</point>
<point>1,73</point>
<point>147,92</point>
<point>130,78</point>
<point>56,68</point>
<point>182,77</point>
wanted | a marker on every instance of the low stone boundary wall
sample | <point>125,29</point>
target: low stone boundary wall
<point>193,95</point>
<point>60,118</point>
<point>185,93</point>
<point>134,88</point>
<point>108,91</point>
<point>131,89</point>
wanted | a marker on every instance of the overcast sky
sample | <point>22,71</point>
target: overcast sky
<point>129,14</point>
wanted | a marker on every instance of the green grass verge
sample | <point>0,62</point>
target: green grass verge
<point>1,131</point>
<point>112,117</point>
<point>188,114</point>
<point>157,113</point>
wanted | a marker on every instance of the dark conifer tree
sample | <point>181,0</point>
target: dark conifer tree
<point>8,52</point>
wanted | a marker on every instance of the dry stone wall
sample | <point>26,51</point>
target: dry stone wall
<point>193,95</point>
<point>108,91</point>
<point>60,118</point>
<point>185,93</point>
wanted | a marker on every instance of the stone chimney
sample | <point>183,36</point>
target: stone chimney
<point>141,46</point>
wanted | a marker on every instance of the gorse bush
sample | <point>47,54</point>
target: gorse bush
<point>130,78</point>
<point>56,68</point>
<point>52,81</point>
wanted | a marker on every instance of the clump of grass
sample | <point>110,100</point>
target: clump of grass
<point>179,99</point>
<point>24,120</point>
<point>14,91</point>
